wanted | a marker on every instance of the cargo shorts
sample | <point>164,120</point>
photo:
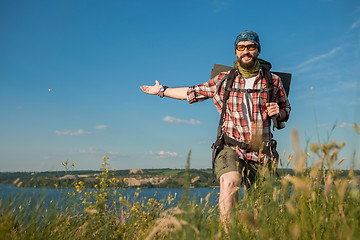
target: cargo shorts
<point>227,160</point>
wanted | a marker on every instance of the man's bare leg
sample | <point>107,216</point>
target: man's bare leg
<point>229,192</point>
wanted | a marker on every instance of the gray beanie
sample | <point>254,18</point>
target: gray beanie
<point>248,36</point>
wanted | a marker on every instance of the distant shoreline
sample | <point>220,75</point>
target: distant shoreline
<point>144,178</point>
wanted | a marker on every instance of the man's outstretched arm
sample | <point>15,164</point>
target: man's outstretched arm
<point>176,93</point>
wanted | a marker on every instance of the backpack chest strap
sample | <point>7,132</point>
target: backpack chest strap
<point>248,90</point>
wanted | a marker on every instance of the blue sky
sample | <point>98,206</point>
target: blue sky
<point>94,55</point>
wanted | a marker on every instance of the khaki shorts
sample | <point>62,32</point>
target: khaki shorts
<point>227,160</point>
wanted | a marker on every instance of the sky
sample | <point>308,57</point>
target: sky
<point>70,73</point>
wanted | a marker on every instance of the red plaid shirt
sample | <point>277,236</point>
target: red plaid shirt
<point>234,122</point>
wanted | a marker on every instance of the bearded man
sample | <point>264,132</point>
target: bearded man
<point>245,116</point>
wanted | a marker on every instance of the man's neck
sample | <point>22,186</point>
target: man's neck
<point>248,73</point>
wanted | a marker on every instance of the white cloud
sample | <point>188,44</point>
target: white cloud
<point>100,127</point>
<point>346,125</point>
<point>72,132</point>
<point>114,154</point>
<point>170,119</point>
<point>323,125</point>
<point>90,150</point>
<point>164,154</point>
<point>355,24</point>
<point>307,64</point>
<point>97,151</point>
<point>220,5</point>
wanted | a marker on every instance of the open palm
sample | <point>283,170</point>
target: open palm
<point>151,89</point>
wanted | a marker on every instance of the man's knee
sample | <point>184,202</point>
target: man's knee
<point>229,180</point>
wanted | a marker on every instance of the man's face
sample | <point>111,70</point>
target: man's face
<point>247,58</point>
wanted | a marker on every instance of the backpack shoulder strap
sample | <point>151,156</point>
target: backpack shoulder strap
<point>269,84</point>
<point>229,82</point>
<point>270,95</point>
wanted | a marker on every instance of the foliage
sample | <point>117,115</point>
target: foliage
<point>316,202</point>
<point>175,177</point>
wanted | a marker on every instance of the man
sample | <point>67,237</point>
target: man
<point>247,117</point>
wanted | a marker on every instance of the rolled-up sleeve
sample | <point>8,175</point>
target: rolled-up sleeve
<point>204,91</point>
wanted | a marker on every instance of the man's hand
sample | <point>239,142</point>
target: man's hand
<point>272,109</point>
<point>153,90</point>
<point>176,93</point>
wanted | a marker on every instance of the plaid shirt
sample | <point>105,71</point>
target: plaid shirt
<point>234,124</point>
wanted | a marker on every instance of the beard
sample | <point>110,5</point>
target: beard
<point>247,65</point>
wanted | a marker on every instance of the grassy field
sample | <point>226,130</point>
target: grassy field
<point>317,202</point>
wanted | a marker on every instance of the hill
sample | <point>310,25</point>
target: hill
<point>145,178</point>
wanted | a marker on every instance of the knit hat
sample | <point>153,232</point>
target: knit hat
<point>248,36</point>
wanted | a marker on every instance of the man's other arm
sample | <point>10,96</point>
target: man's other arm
<point>175,93</point>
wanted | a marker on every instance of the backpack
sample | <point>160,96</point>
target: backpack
<point>221,139</point>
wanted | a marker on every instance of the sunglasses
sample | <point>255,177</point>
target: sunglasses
<point>250,47</point>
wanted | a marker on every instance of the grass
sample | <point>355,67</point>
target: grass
<point>316,202</point>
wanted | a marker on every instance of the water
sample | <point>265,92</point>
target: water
<point>11,191</point>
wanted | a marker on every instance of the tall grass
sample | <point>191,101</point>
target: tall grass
<point>314,203</point>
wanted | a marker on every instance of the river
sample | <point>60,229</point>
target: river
<point>11,191</point>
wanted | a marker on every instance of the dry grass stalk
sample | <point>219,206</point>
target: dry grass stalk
<point>276,193</point>
<point>16,181</point>
<point>80,231</point>
<point>91,211</point>
<point>248,219</point>
<point>290,207</point>
<point>328,185</point>
<point>314,173</point>
<point>299,184</point>
<point>195,179</point>
<point>341,187</point>
<point>295,231</point>
<point>296,148</point>
<point>167,225</point>
<point>290,157</point>
<point>341,161</point>
<point>234,190</point>
<point>357,128</point>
